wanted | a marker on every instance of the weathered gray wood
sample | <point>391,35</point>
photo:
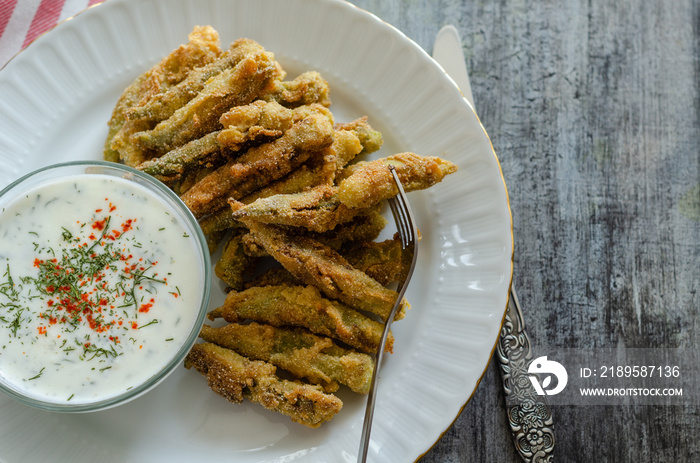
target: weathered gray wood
<point>592,107</point>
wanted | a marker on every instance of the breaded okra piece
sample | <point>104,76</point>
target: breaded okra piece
<point>225,217</point>
<point>369,182</point>
<point>173,164</point>
<point>164,105</point>
<point>214,240</point>
<point>384,261</point>
<point>303,306</point>
<point>363,185</point>
<point>254,121</point>
<point>201,49</point>
<point>233,264</point>
<point>370,139</point>
<point>346,146</point>
<point>262,121</point>
<point>274,276</point>
<point>235,377</point>
<point>260,165</point>
<point>365,227</point>
<point>305,355</point>
<point>219,220</point>
<point>234,86</point>
<point>130,97</point>
<point>309,87</point>
<point>317,209</point>
<point>320,169</point>
<point>318,265</point>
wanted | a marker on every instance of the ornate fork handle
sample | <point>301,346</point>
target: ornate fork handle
<point>529,416</point>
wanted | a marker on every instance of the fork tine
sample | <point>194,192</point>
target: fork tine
<point>405,224</point>
<point>401,212</point>
<point>396,211</point>
<point>402,217</point>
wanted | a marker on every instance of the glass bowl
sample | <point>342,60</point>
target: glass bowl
<point>105,286</point>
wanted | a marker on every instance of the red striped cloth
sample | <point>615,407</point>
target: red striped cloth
<point>22,21</point>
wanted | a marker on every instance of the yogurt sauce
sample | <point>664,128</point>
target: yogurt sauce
<point>100,288</point>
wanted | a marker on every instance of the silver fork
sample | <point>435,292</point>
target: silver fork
<point>405,223</point>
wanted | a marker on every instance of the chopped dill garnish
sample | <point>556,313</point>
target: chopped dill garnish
<point>38,375</point>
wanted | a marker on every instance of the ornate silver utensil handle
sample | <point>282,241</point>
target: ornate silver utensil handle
<point>529,415</point>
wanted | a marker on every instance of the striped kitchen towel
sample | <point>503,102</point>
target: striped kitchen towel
<point>22,21</point>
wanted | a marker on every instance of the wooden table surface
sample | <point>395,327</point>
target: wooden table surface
<point>592,108</point>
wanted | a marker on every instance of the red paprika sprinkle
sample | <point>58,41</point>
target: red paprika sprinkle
<point>99,224</point>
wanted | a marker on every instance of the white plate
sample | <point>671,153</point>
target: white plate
<point>55,99</point>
